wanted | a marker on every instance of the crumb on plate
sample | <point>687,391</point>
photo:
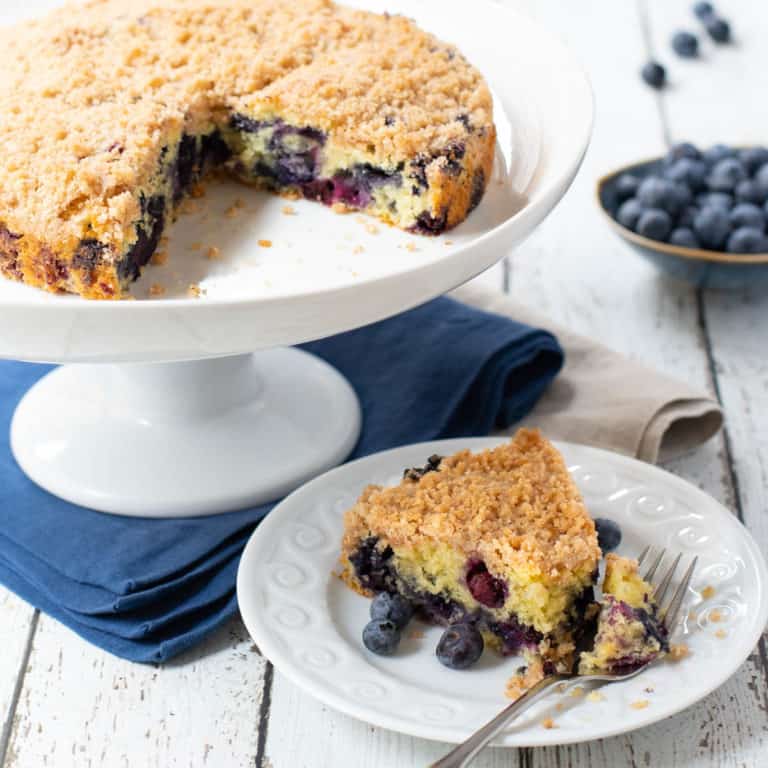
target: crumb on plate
<point>159,258</point>
<point>707,592</point>
<point>156,289</point>
<point>548,723</point>
<point>197,191</point>
<point>265,243</point>
<point>595,696</point>
<point>715,616</point>
<point>640,704</point>
<point>288,210</point>
<point>721,634</point>
<point>678,651</point>
<point>213,253</point>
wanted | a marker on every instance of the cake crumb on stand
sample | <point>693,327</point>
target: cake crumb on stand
<point>156,290</point>
<point>640,704</point>
<point>708,592</point>
<point>595,696</point>
<point>548,723</point>
<point>213,253</point>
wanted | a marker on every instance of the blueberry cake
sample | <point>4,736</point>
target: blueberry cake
<point>112,110</point>
<point>629,633</point>
<point>499,539</point>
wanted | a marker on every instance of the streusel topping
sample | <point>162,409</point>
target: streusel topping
<point>89,95</point>
<point>514,506</point>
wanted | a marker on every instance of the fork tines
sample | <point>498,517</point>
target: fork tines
<point>669,613</point>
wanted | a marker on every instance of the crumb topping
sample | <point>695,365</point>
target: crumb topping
<point>90,94</point>
<point>513,506</point>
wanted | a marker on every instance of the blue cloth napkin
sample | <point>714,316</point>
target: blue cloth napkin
<point>149,589</point>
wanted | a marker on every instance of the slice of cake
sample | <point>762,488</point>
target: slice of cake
<point>111,110</point>
<point>500,539</point>
<point>629,633</point>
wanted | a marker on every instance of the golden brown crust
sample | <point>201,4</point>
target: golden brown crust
<point>514,506</point>
<point>93,94</point>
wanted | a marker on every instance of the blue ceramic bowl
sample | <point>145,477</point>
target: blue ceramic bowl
<point>708,269</point>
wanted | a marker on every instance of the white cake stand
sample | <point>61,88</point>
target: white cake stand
<point>172,406</point>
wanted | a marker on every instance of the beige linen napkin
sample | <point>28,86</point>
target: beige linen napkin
<point>604,399</point>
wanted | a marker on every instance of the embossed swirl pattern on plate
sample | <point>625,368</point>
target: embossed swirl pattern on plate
<point>313,622</point>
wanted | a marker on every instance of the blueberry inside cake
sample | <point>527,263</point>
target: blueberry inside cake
<point>499,539</point>
<point>112,110</point>
<point>629,633</point>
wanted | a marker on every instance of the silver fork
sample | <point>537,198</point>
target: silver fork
<point>462,755</point>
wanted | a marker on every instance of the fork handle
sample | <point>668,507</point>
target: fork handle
<point>462,755</point>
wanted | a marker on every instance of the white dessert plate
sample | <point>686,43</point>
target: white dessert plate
<point>324,273</point>
<point>309,624</point>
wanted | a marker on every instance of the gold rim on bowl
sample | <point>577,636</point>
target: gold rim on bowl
<point>694,254</point>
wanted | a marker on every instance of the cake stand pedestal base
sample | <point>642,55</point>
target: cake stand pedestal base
<point>184,439</point>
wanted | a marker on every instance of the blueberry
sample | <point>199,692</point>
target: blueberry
<point>748,215</point>
<point>685,44</point>
<point>754,157</point>
<point>684,237</point>
<point>381,637</point>
<point>717,153</point>
<point>654,74</point>
<point>712,227</point>
<point>685,219</point>
<point>626,186</point>
<point>702,10</point>
<point>629,212</point>
<point>394,608</point>
<point>718,29</point>
<point>687,171</point>
<point>654,223</point>
<point>726,174</point>
<point>608,534</point>
<point>749,191</point>
<point>681,150</point>
<point>460,646</point>
<point>761,178</point>
<point>683,197</point>
<point>747,240</point>
<point>716,200</point>
<point>655,192</point>
<point>485,588</point>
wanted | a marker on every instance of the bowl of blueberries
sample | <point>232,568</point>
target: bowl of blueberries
<point>700,215</point>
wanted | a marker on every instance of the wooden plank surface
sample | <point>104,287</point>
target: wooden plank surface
<point>80,707</point>
<point>17,625</point>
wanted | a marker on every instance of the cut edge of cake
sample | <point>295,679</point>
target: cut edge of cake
<point>487,564</point>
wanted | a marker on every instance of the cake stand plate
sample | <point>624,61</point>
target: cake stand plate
<point>158,422</point>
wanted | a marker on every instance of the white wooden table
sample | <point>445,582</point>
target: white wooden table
<point>64,703</point>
